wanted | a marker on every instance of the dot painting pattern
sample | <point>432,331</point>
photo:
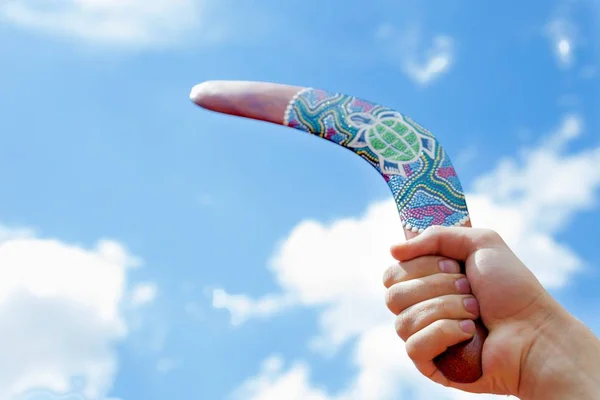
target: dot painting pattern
<point>416,168</point>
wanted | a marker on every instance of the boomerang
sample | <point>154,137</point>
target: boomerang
<point>417,169</point>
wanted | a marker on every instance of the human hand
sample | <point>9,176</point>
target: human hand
<point>535,349</point>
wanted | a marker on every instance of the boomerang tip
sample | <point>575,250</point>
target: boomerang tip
<point>206,94</point>
<point>199,92</point>
<point>203,92</point>
<point>257,100</point>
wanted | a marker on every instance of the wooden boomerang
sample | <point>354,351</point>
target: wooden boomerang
<point>415,166</point>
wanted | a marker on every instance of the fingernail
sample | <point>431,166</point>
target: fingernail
<point>471,305</point>
<point>468,326</point>
<point>449,266</point>
<point>463,286</point>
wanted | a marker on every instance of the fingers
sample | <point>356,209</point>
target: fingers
<point>423,346</point>
<point>419,268</point>
<point>434,306</point>
<point>417,317</point>
<point>452,242</point>
<point>408,293</point>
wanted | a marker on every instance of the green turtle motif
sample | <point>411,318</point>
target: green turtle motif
<point>391,138</point>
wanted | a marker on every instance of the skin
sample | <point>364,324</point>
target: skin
<point>535,349</point>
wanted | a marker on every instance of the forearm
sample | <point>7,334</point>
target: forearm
<point>563,363</point>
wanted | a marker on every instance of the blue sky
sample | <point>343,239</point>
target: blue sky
<point>135,224</point>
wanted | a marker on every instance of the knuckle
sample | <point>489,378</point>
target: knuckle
<point>440,308</point>
<point>447,307</point>
<point>438,286</point>
<point>392,296</point>
<point>418,347</point>
<point>490,236</point>
<point>390,275</point>
<point>415,318</point>
<point>389,297</point>
<point>436,305</point>
<point>403,325</point>
<point>400,296</point>
<point>413,349</point>
<point>434,230</point>
<point>442,284</point>
<point>441,329</point>
<point>387,276</point>
<point>429,308</point>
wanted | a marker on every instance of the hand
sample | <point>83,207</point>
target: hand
<point>535,349</point>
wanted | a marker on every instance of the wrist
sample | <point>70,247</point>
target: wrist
<point>563,362</point>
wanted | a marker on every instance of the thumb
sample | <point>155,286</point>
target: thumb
<point>456,243</point>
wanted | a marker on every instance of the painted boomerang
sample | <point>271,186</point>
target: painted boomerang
<point>414,165</point>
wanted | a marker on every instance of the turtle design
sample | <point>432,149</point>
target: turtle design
<point>391,138</point>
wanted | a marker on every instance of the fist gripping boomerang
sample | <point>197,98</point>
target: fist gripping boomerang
<point>410,159</point>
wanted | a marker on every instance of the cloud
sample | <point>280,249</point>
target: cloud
<point>385,373</point>
<point>337,267</point>
<point>565,34</point>
<point>49,395</point>
<point>143,293</point>
<point>61,306</point>
<point>420,63</point>
<point>314,268</point>
<point>561,33</point>
<point>242,307</point>
<point>272,383</point>
<point>436,60</point>
<point>140,23</point>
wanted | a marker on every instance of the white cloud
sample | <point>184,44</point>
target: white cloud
<point>385,373</point>
<point>561,33</point>
<point>337,267</point>
<point>49,395</point>
<point>564,33</point>
<point>421,61</point>
<point>346,283</point>
<point>436,60</point>
<point>113,22</point>
<point>61,304</point>
<point>143,293</point>
<point>273,383</point>
<point>135,25</point>
<point>242,307</point>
